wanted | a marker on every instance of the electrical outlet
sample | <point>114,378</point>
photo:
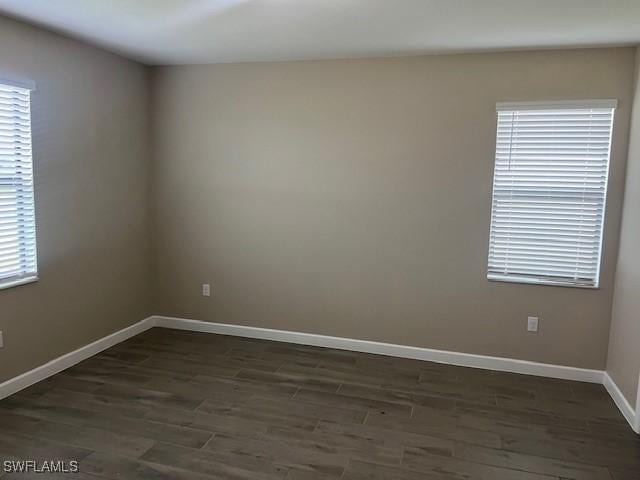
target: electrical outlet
<point>206,290</point>
<point>532,324</point>
<point>1,340</point>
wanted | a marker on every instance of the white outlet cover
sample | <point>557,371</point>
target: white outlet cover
<point>532,324</point>
<point>206,290</point>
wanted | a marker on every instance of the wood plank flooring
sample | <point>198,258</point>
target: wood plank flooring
<point>177,405</point>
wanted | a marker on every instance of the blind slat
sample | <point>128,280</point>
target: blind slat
<point>18,256</point>
<point>549,192</point>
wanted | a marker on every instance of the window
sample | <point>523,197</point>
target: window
<point>17,217</point>
<point>549,192</point>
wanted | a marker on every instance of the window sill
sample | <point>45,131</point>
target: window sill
<point>539,281</point>
<point>17,283</point>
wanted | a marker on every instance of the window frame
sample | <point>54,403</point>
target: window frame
<point>542,106</point>
<point>30,277</point>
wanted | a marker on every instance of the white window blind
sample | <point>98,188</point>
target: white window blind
<point>17,218</point>
<point>549,192</point>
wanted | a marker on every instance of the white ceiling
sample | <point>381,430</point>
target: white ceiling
<point>215,31</point>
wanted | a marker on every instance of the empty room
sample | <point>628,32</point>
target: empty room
<point>320,239</point>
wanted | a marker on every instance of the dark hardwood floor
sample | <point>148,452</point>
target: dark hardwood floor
<point>169,404</point>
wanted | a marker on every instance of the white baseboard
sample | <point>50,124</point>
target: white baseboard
<point>27,379</point>
<point>623,405</point>
<point>403,351</point>
<point>56,365</point>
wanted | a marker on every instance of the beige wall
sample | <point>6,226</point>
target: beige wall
<point>348,198</point>
<point>623,363</point>
<point>352,198</point>
<point>90,157</point>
